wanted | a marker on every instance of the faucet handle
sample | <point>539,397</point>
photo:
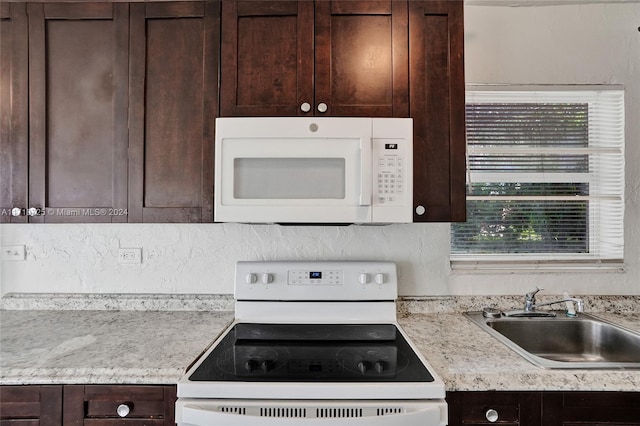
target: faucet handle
<point>532,295</point>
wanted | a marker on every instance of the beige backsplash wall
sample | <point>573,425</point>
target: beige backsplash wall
<point>571,44</point>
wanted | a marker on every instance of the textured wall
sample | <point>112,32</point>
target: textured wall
<point>578,44</point>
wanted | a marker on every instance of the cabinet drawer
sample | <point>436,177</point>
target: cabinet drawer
<point>140,405</point>
<point>141,401</point>
<point>499,408</point>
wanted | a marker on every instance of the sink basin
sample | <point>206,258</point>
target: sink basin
<point>563,342</point>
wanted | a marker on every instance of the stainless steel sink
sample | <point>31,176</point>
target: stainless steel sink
<point>563,342</point>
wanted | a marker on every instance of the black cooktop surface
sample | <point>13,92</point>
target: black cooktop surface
<point>312,353</point>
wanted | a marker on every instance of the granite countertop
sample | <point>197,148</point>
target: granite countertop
<point>106,347</point>
<point>124,342</point>
<point>469,359</point>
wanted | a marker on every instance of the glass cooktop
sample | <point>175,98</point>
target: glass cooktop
<point>312,353</point>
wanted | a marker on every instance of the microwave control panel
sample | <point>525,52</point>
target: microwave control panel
<point>390,179</point>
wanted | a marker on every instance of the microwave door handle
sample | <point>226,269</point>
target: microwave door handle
<point>366,170</point>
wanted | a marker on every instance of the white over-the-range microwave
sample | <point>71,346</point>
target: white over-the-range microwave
<point>314,170</point>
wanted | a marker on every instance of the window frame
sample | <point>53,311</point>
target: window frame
<point>510,262</point>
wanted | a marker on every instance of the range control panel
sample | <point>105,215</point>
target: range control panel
<point>316,281</point>
<point>318,277</point>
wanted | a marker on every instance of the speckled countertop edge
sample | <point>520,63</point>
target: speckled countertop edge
<point>117,302</point>
<point>225,302</point>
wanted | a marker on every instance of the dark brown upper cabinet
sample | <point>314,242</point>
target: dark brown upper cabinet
<point>14,111</point>
<point>111,117</point>
<point>339,58</point>
<point>172,109</point>
<point>436,73</point>
<point>78,57</point>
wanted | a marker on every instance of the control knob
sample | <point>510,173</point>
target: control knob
<point>250,365</point>
<point>379,278</point>
<point>265,366</point>
<point>363,278</point>
<point>251,278</point>
<point>267,278</point>
<point>379,367</point>
<point>363,366</point>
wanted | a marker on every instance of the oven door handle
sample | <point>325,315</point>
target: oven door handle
<point>200,415</point>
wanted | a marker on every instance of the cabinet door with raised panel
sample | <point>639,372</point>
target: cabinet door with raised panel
<point>436,76</point>
<point>361,65</point>
<point>267,58</point>
<point>31,405</point>
<point>78,67</point>
<point>172,110</point>
<point>14,151</point>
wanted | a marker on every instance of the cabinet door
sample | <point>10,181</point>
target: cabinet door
<point>485,408</point>
<point>436,80</point>
<point>13,111</point>
<point>102,405</point>
<point>591,408</point>
<point>78,64</point>
<point>361,58</point>
<point>173,105</point>
<point>267,58</point>
<point>31,405</point>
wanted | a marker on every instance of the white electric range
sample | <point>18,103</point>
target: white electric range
<point>312,343</point>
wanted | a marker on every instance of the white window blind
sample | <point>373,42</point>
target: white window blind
<point>545,177</point>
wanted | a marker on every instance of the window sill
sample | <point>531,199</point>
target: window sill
<point>513,266</point>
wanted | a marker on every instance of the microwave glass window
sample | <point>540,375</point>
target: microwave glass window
<point>289,178</point>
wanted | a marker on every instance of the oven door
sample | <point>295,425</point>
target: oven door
<point>210,412</point>
<point>293,170</point>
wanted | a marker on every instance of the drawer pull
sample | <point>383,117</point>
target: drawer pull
<point>491,415</point>
<point>124,409</point>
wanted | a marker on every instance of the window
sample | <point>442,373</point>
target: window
<point>545,178</point>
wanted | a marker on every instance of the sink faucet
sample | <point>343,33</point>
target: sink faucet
<point>573,304</point>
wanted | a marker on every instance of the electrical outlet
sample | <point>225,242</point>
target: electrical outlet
<point>13,253</point>
<point>130,255</point>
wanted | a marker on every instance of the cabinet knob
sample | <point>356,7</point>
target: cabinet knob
<point>16,211</point>
<point>322,107</point>
<point>420,210</point>
<point>124,409</point>
<point>491,415</point>
<point>305,107</point>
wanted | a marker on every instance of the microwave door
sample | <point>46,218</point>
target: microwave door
<point>306,180</point>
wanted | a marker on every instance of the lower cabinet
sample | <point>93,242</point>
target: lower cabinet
<point>91,405</point>
<point>30,405</point>
<point>544,408</point>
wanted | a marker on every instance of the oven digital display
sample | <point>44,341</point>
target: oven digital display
<point>315,275</point>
